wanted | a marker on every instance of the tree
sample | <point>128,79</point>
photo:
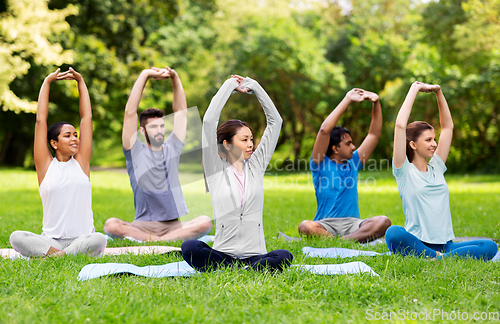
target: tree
<point>25,30</point>
<point>470,50</point>
<point>285,58</point>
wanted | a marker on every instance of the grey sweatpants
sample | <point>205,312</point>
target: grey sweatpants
<point>33,245</point>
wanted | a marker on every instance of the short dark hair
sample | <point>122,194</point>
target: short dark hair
<point>150,113</point>
<point>336,136</point>
<point>228,129</point>
<point>413,132</point>
<point>53,133</point>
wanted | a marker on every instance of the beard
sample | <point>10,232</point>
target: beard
<point>156,141</point>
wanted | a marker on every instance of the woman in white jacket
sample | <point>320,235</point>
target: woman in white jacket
<point>234,175</point>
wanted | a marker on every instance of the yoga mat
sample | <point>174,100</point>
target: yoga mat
<point>375,242</point>
<point>137,250</point>
<point>182,269</point>
<point>472,238</point>
<point>140,250</point>
<point>8,253</point>
<point>176,269</point>
<point>205,238</point>
<point>336,252</point>
<point>336,269</point>
<point>283,236</point>
<point>349,253</point>
<point>381,240</point>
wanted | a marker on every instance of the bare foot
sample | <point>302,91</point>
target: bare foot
<point>53,252</point>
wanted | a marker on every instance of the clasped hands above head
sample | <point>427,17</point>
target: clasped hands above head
<point>71,74</point>
<point>425,87</point>
<point>160,73</point>
<point>359,95</point>
<point>240,80</point>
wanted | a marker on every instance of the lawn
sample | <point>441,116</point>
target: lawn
<point>48,291</point>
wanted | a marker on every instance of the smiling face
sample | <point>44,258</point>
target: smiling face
<point>425,145</point>
<point>241,147</point>
<point>67,142</point>
<point>154,132</point>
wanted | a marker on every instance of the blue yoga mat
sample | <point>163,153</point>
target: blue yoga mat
<point>336,252</point>
<point>176,269</point>
<point>182,269</point>
<point>336,269</point>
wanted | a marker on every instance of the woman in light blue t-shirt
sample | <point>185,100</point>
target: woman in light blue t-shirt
<point>428,228</point>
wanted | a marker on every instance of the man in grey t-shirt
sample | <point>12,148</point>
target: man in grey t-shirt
<point>153,169</point>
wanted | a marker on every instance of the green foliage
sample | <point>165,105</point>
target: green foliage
<point>25,29</point>
<point>307,55</point>
<point>471,28</point>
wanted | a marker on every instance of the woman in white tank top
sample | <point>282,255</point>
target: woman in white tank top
<point>64,184</point>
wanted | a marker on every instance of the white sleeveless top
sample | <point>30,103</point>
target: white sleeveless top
<point>66,194</point>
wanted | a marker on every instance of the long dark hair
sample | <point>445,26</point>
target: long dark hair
<point>53,133</point>
<point>413,132</point>
<point>336,136</point>
<point>226,132</point>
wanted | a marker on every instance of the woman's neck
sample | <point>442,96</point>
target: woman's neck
<point>420,163</point>
<point>63,158</point>
<point>238,164</point>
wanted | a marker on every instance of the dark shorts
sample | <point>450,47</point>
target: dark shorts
<point>157,228</point>
<point>340,226</point>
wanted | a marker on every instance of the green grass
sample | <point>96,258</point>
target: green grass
<point>48,290</point>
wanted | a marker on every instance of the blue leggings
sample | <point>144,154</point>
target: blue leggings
<point>400,241</point>
<point>203,258</point>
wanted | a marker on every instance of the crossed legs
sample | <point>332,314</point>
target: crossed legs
<point>369,229</point>
<point>34,245</point>
<point>203,258</point>
<point>192,229</point>
<point>404,243</point>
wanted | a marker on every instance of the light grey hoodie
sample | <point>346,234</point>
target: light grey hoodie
<point>238,229</point>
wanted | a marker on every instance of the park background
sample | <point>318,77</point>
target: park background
<point>307,55</point>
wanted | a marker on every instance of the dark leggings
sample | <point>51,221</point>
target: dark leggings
<point>203,258</point>
<point>401,242</point>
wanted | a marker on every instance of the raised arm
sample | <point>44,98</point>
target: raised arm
<point>129,133</point>
<point>446,123</point>
<point>211,158</point>
<point>179,106</point>
<point>370,142</point>
<point>399,152</point>
<point>323,136</point>
<point>269,139</point>
<point>41,151</point>
<point>86,128</point>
